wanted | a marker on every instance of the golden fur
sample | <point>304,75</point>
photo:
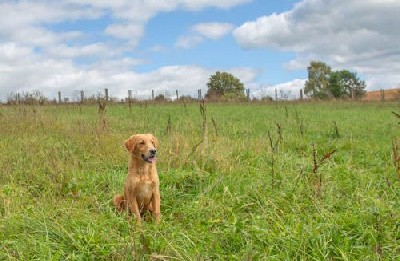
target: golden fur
<point>142,186</point>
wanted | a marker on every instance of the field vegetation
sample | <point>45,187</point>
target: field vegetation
<point>266,181</point>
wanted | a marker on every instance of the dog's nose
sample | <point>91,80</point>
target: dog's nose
<point>153,151</point>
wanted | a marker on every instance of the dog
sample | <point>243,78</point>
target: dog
<point>142,185</point>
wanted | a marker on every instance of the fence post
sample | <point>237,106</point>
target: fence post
<point>106,94</point>
<point>248,94</point>
<point>82,96</point>
<point>130,98</point>
<point>152,94</point>
<point>177,94</point>
<point>382,95</point>
<point>301,94</point>
<point>18,98</point>
<point>59,97</point>
<point>199,94</point>
<point>276,95</point>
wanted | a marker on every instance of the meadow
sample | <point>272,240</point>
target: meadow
<point>245,181</point>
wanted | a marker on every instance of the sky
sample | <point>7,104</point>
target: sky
<point>169,45</point>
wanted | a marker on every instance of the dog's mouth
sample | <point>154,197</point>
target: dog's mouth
<point>149,159</point>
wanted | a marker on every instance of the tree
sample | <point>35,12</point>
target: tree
<point>359,89</point>
<point>338,83</point>
<point>318,80</point>
<point>346,84</point>
<point>323,83</point>
<point>222,83</point>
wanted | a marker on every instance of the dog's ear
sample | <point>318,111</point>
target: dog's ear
<point>131,143</point>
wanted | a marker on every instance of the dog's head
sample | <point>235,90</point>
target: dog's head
<point>143,146</point>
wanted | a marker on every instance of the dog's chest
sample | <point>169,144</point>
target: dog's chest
<point>145,189</point>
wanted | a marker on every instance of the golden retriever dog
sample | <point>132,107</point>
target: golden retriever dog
<point>142,186</point>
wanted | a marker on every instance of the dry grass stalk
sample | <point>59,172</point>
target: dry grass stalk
<point>378,229</point>
<point>396,157</point>
<point>271,142</point>
<point>273,148</point>
<point>169,125</point>
<point>316,165</point>
<point>396,114</point>
<point>299,123</point>
<point>215,126</point>
<point>203,113</point>
<point>279,131</point>
<point>102,113</point>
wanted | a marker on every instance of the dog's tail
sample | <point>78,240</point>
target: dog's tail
<point>119,202</point>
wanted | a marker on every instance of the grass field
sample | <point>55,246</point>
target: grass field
<point>244,186</point>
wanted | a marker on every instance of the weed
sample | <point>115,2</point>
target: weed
<point>203,113</point>
<point>396,156</point>
<point>215,126</point>
<point>316,165</point>
<point>299,122</point>
<point>280,133</point>
<point>169,125</point>
<point>378,231</point>
<point>274,147</point>
<point>397,115</point>
<point>102,113</point>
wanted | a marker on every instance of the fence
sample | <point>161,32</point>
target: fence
<point>80,96</point>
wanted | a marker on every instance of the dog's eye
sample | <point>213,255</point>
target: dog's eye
<point>142,142</point>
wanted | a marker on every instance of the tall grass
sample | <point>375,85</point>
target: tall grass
<point>60,167</point>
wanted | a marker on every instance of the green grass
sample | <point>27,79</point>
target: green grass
<point>232,198</point>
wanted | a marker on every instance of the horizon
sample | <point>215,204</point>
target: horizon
<point>142,46</point>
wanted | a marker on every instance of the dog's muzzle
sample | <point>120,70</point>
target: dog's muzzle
<point>151,156</point>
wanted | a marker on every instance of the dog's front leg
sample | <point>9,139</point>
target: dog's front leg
<point>135,209</point>
<point>156,205</point>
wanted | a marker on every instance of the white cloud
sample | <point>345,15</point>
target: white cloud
<point>157,48</point>
<point>356,35</point>
<point>245,74</point>
<point>188,41</point>
<point>25,22</point>
<point>10,53</point>
<point>200,4</point>
<point>201,31</point>
<point>66,51</point>
<point>128,31</point>
<point>212,30</point>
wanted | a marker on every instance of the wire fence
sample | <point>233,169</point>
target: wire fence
<point>80,96</point>
<point>141,95</point>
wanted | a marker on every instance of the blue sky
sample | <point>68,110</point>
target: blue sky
<point>71,45</point>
